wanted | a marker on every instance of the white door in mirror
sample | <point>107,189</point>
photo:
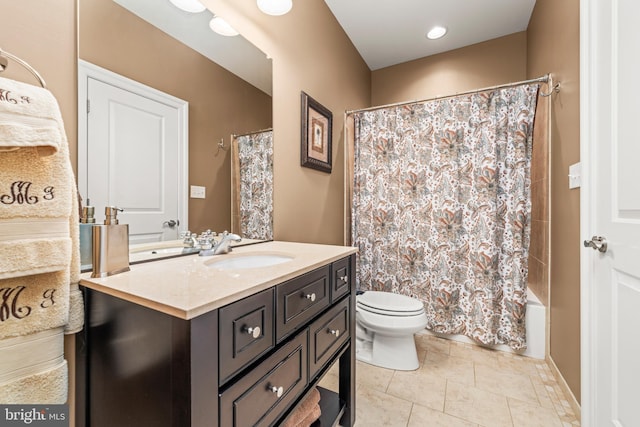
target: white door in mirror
<point>133,159</point>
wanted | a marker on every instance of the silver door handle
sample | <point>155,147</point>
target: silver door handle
<point>172,222</point>
<point>597,242</point>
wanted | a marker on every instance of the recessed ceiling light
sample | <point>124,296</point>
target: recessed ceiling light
<point>436,32</point>
<point>193,6</point>
<point>275,7</point>
<point>222,27</point>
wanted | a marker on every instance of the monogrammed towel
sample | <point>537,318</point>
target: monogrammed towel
<point>28,118</point>
<point>38,215</point>
<point>30,304</point>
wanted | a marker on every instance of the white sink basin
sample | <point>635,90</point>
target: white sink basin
<point>238,262</point>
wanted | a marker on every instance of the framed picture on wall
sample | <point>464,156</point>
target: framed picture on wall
<point>315,144</point>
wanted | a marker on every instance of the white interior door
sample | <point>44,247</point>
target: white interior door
<point>611,209</point>
<point>134,158</point>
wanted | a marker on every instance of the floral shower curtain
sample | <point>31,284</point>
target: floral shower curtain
<point>441,208</point>
<point>254,184</point>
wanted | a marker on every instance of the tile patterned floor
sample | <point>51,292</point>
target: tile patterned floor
<point>459,385</point>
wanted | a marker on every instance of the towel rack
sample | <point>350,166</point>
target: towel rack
<point>4,63</point>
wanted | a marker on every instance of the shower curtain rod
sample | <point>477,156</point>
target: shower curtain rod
<point>233,135</point>
<point>544,79</point>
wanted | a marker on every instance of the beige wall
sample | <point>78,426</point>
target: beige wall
<point>310,53</point>
<point>553,46</point>
<point>219,102</point>
<point>484,64</point>
<point>43,33</point>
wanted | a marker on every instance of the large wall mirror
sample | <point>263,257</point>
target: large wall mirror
<point>226,82</point>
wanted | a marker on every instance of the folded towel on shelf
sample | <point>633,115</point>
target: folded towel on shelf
<point>33,369</point>
<point>29,118</point>
<point>34,303</point>
<point>306,412</point>
<point>311,417</point>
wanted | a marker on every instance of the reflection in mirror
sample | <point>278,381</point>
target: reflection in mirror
<point>252,185</point>
<point>160,46</point>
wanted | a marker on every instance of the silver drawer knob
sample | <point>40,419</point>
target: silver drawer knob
<point>277,390</point>
<point>335,332</point>
<point>311,297</point>
<point>344,278</point>
<point>254,332</point>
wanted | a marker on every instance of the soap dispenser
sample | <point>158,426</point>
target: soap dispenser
<point>87,222</point>
<point>110,245</point>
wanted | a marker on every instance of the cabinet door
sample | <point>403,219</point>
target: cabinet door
<point>300,299</point>
<point>327,334</point>
<point>262,395</point>
<point>245,332</point>
<point>341,278</point>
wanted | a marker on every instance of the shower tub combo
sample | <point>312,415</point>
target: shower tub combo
<point>535,320</point>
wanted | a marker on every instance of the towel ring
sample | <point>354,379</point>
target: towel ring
<point>3,66</point>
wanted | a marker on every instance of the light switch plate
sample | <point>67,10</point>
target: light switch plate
<point>575,175</point>
<point>197,192</point>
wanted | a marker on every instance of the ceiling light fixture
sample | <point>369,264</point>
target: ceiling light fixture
<point>193,6</point>
<point>275,7</point>
<point>222,27</point>
<point>436,33</point>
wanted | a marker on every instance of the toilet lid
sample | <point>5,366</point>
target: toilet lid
<point>387,302</point>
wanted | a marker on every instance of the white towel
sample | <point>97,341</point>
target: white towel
<point>39,235</point>
<point>34,303</point>
<point>32,368</point>
<point>28,118</point>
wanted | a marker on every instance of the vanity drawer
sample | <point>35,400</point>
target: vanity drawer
<point>327,334</point>
<point>341,278</point>
<point>260,397</point>
<point>245,332</point>
<point>299,299</point>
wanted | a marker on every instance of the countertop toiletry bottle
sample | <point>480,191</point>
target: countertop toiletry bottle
<point>110,245</point>
<point>87,222</point>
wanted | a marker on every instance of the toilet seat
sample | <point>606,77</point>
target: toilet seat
<point>388,313</point>
<point>389,304</point>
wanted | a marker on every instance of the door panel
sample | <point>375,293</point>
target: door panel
<point>132,156</point>
<point>611,208</point>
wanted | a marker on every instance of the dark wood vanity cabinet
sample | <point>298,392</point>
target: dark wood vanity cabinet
<point>248,363</point>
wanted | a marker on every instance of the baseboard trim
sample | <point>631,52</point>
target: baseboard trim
<point>573,402</point>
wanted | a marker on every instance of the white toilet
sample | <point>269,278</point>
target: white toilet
<point>385,324</point>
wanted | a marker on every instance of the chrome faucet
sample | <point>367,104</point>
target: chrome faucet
<point>223,246</point>
<point>189,240</point>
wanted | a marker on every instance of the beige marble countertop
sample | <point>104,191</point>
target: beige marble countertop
<point>187,286</point>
